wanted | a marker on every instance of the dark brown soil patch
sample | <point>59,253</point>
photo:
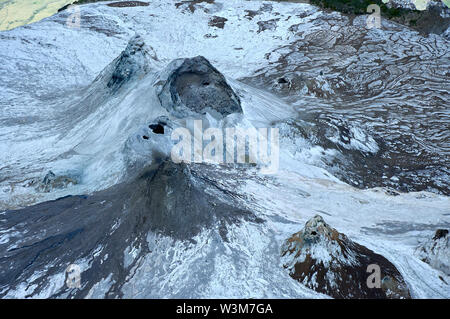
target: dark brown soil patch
<point>124,4</point>
<point>192,4</point>
<point>217,22</point>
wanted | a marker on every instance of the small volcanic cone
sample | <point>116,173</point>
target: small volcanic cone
<point>327,261</point>
<point>194,85</point>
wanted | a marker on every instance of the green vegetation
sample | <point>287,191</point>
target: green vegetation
<point>427,21</point>
<point>360,7</point>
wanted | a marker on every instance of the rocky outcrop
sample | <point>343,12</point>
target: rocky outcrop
<point>327,261</point>
<point>134,61</point>
<point>195,86</point>
<point>436,251</point>
<point>52,181</point>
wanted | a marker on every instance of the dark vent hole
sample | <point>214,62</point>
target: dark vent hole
<point>157,128</point>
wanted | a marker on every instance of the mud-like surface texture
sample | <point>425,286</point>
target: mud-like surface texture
<point>364,159</point>
<point>360,105</point>
<point>196,86</point>
<point>356,106</point>
<point>168,199</point>
<point>329,262</point>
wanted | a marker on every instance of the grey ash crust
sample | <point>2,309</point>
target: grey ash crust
<point>169,199</point>
<point>196,86</point>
